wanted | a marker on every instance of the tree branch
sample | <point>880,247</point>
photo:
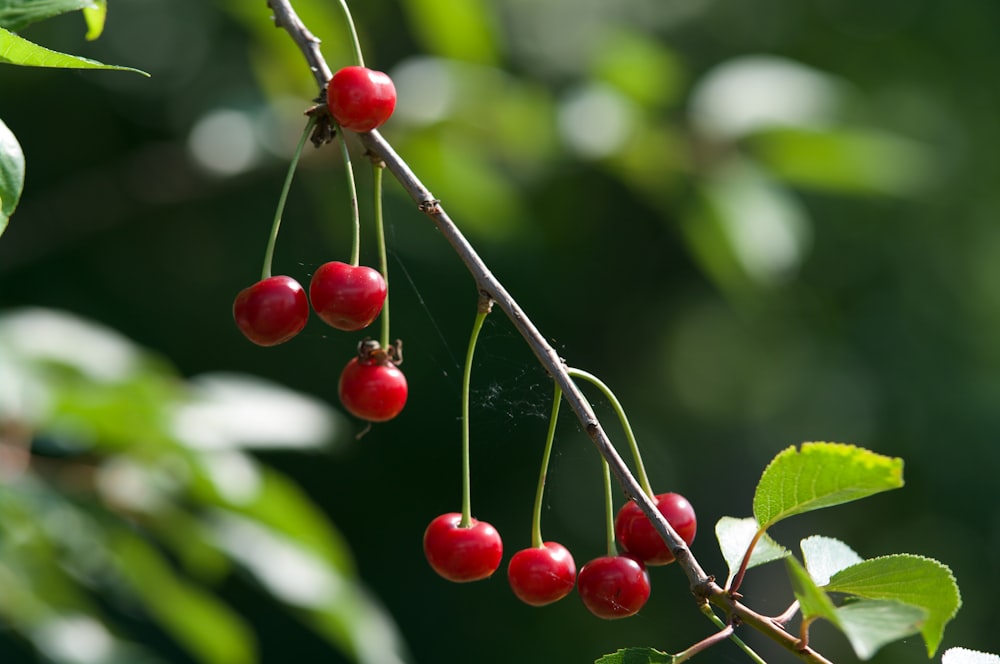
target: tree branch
<point>702,585</point>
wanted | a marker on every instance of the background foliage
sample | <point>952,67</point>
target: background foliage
<point>760,222</point>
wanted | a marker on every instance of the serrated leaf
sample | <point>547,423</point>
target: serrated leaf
<point>18,14</point>
<point>913,580</point>
<point>966,656</point>
<point>95,15</point>
<point>11,174</point>
<point>871,624</point>
<point>813,602</point>
<point>16,50</point>
<point>821,475</point>
<point>735,535</point>
<point>636,656</point>
<point>825,556</point>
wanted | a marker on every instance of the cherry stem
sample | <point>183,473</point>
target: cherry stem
<point>536,520</point>
<point>707,610</point>
<point>352,192</point>
<point>276,224</point>
<point>377,169</point>
<point>788,614</point>
<point>623,418</point>
<point>609,508</point>
<point>485,304</point>
<point>720,636</point>
<point>359,59</point>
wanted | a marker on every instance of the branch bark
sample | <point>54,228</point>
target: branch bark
<point>702,585</point>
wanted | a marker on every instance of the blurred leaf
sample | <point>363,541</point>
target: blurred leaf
<point>913,580</point>
<point>871,624</point>
<point>458,29</point>
<point>17,14</point>
<point>735,536</point>
<point>95,14</point>
<point>820,475</point>
<point>641,67</point>
<point>843,160</point>
<point>825,556</point>
<point>11,174</point>
<point>210,630</point>
<point>636,656</point>
<point>966,656</point>
<point>16,50</point>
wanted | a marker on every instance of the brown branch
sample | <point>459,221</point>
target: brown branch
<point>702,585</point>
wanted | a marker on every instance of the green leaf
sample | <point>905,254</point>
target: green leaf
<point>825,556</point>
<point>871,624</point>
<point>209,629</point>
<point>95,14</point>
<point>913,580</point>
<point>16,50</point>
<point>636,656</point>
<point>11,174</point>
<point>847,161</point>
<point>17,14</point>
<point>966,656</point>
<point>813,602</point>
<point>735,536</point>
<point>821,475</point>
<point>456,29</point>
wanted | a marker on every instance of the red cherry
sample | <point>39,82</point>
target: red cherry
<point>360,99</point>
<point>372,389</point>
<point>462,554</point>
<point>613,586</point>
<point>347,297</point>
<point>542,575</point>
<point>635,533</point>
<point>271,311</point>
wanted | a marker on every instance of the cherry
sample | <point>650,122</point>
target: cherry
<point>347,297</point>
<point>613,586</point>
<point>372,387</point>
<point>462,554</point>
<point>542,575</point>
<point>635,533</point>
<point>360,99</point>
<point>271,311</point>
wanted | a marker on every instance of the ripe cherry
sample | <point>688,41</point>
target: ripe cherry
<point>613,586</point>
<point>462,554</point>
<point>347,297</point>
<point>271,311</point>
<point>371,386</point>
<point>635,533</point>
<point>542,575</point>
<point>360,99</point>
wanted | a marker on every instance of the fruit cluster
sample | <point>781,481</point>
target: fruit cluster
<point>346,296</point>
<point>611,586</point>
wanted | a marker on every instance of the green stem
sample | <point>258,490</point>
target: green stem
<point>536,520</point>
<point>609,509</point>
<point>623,418</point>
<point>466,382</point>
<point>383,259</point>
<point>706,609</point>
<point>276,224</point>
<point>358,57</point>
<point>352,192</point>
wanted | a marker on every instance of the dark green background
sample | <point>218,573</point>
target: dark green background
<point>885,334</point>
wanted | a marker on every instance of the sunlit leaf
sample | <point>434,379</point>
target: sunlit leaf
<point>11,174</point>
<point>825,556</point>
<point>95,15</point>
<point>820,475</point>
<point>813,602</point>
<point>636,656</point>
<point>209,629</point>
<point>735,535</point>
<point>458,29</point>
<point>843,160</point>
<point>871,624</point>
<point>641,67</point>
<point>966,656</point>
<point>17,14</point>
<point>16,50</point>
<point>913,580</point>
